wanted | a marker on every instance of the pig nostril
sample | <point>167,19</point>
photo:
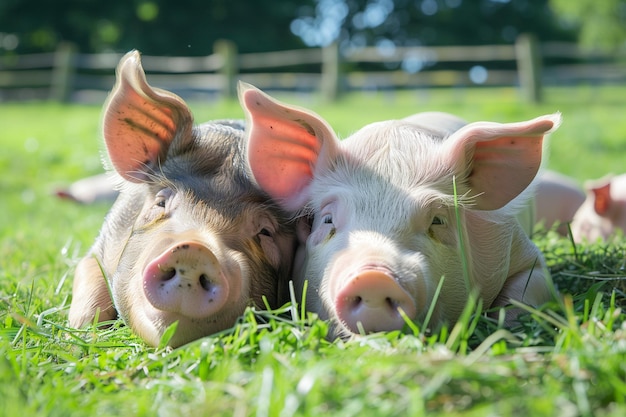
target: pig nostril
<point>205,283</point>
<point>393,304</point>
<point>389,302</point>
<point>354,301</point>
<point>167,274</point>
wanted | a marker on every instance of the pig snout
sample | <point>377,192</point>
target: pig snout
<point>371,300</point>
<point>186,279</point>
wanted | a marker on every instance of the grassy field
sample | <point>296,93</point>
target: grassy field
<point>567,359</point>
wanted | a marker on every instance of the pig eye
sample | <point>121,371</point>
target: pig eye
<point>162,196</point>
<point>265,232</point>
<point>328,219</point>
<point>265,228</point>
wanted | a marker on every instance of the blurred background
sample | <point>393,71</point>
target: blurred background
<point>67,50</point>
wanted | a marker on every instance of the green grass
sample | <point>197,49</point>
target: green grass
<point>567,359</point>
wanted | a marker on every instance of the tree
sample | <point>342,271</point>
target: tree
<point>160,27</point>
<point>602,23</point>
<point>190,27</point>
<point>427,22</point>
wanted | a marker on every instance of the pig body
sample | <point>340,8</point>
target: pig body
<point>383,229</point>
<point>557,198</point>
<point>603,211</point>
<point>98,188</point>
<point>190,239</point>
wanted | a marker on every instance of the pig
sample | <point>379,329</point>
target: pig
<point>603,212</point>
<point>190,239</point>
<point>557,198</point>
<point>97,188</point>
<point>378,227</point>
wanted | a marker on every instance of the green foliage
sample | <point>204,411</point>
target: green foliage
<point>429,22</point>
<point>567,358</point>
<point>602,23</point>
<point>174,28</point>
<point>157,27</point>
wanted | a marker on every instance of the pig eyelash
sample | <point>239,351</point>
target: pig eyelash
<point>438,221</point>
<point>162,197</point>
<point>265,227</point>
<point>328,219</point>
<point>265,237</point>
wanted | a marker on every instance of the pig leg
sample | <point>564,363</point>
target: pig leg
<point>94,189</point>
<point>90,293</point>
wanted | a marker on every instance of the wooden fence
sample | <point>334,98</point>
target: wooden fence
<point>69,76</point>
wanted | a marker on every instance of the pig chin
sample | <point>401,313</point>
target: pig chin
<point>150,324</point>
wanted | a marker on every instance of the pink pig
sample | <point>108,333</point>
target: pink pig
<point>557,198</point>
<point>98,188</point>
<point>383,229</point>
<point>604,210</point>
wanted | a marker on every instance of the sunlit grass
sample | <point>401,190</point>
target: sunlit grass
<point>565,358</point>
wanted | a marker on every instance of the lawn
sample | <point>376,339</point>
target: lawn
<point>567,359</point>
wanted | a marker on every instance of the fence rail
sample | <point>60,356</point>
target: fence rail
<point>66,75</point>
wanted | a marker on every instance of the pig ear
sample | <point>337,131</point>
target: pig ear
<point>601,190</point>
<point>498,160</point>
<point>286,146</point>
<point>140,122</point>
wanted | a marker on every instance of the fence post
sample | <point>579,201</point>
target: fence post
<point>228,51</point>
<point>331,76</point>
<point>529,67</point>
<point>63,73</point>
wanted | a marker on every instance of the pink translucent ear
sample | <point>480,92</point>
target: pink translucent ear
<point>601,190</point>
<point>286,145</point>
<point>140,122</point>
<point>499,160</point>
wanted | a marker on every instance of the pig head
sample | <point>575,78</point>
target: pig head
<point>381,222</point>
<point>190,239</point>
<point>603,211</point>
